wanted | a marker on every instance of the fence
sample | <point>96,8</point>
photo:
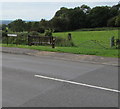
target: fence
<point>41,40</point>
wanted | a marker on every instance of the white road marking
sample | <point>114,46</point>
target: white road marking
<point>76,83</point>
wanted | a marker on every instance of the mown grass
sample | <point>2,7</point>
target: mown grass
<point>78,37</point>
<point>75,50</point>
<point>84,45</point>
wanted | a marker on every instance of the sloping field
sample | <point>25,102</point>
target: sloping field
<point>85,37</point>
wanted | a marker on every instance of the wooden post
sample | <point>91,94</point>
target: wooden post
<point>39,41</point>
<point>118,43</point>
<point>112,42</point>
<point>7,35</point>
<point>29,40</point>
<point>17,40</point>
<point>7,40</point>
<point>69,36</point>
<point>53,43</point>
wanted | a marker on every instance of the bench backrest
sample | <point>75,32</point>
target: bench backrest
<point>41,40</point>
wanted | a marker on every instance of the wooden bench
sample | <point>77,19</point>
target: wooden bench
<point>41,40</point>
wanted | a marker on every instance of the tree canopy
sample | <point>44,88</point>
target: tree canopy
<point>71,19</point>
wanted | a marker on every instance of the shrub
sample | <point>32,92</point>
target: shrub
<point>41,30</point>
<point>4,33</point>
<point>34,33</point>
<point>117,21</point>
<point>63,42</point>
<point>111,22</point>
<point>20,39</point>
<point>48,32</point>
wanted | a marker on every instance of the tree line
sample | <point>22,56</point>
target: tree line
<point>71,19</point>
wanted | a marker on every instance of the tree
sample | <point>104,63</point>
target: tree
<point>3,27</point>
<point>111,22</point>
<point>99,16</point>
<point>86,9</point>
<point>117,21</point>
<point>76,18</point>
<point>114,22</point>
<point>115,10</point>
<point>59,24</point>
<point>28,26</point>
<point>35,26</point>
<point>72,18</point>
<point>62,12</point>
<point>17,25</point>
<point>44,24</point>
<point>48,32</point>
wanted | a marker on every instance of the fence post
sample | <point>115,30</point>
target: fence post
<point>112,41</point>
<point>53,42</point>
<point>7,40</point>
<point>17,41</point>
<point>7,36</point>
<point>118,43</point>
<point>29,43</point>
<point>69,36</point>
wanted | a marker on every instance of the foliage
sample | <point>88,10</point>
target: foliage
<point>111,22</point>
<point>17,25</point>
<point>114,22</point>
<point>59,24</point>
<point>99,16</point>
<point>35,26</point>
<point>22,38</point>
<point>63,42</point>
<point>44,24</point>
<point>4,26</point>
<point>78,37</point>
<point>48,32</point>
<point>86,9</point>
<point>117,21</point>
<point>67,19</point>
<point>4,33</point>
<point>34,33</point>
<point>41,30</point>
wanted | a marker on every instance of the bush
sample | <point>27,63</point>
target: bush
<point>4,34</point>
<point>111,22</point>
<point>20,39</point>
<point>4,37</point>
<point>117,21</point>
<point>48,32</point>
<point>114,22</point>
<point>41,30</point>
<point>34,33</point>
<point>63,42</point>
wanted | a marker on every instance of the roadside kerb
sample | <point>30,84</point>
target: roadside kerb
<point>64,56</point>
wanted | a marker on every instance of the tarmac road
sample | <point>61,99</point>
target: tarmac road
<point>21,88</point>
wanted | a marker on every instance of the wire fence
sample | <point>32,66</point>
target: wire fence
<point>94,44</point>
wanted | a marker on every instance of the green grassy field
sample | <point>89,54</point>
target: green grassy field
<point>84,45</point>
<point>78,37</point>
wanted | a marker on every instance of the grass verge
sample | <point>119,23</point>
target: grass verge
<point>74,50</point>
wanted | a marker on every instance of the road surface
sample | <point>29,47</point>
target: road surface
<point>31,81</point>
